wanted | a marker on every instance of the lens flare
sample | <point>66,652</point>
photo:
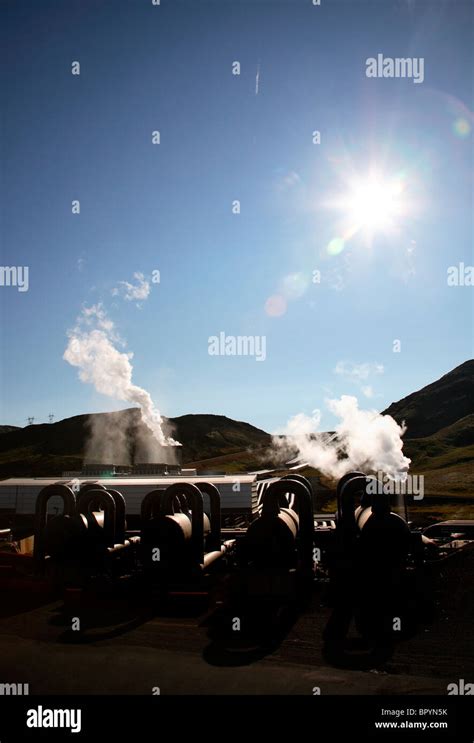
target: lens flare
<point>462,128</point>
<point>336,246</point>
<point>294,285</point>
<point>275,306</point>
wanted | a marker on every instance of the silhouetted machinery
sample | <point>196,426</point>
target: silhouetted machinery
<point>276,554</point>
<point>87,539</point>
<point>180,548</point>
<point>180,543</point>
<point>367,562</point>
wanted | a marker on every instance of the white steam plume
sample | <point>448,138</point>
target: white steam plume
<point>91,348</point>
<point>108,441</point>
<point>364,439</point>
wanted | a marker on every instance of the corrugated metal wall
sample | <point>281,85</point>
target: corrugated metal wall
<point>8,498</point>
<point>22,498</point>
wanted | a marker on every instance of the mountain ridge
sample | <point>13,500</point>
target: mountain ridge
<point>439,419</point>
<point>438,404</point>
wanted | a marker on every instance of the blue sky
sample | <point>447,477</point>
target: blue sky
<point>168,207</point>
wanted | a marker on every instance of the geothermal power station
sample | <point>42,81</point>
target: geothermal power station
<point>252,547</point>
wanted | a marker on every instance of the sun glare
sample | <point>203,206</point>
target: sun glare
<point>369,204</point>
<point>374,203</point>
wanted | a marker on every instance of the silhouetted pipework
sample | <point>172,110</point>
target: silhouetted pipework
<point>87,537</point>
<point>277,549</point>
<point>367,562</point>
<point>213,539</point>
<point>69,509</point>
<point>150,507</point>
<point>178,539</point>
<point>116,519</point>
<point>366,523</point>
<point>96,508</point>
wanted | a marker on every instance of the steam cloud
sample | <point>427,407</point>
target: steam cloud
<point>92,348</point>
<point>364,439</point>
<point>108,441</point>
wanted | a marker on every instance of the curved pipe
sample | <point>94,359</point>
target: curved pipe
<point>345,478</point>
<point>380,500</point>
<point>271,507</point>
<point>341,484</point>
<point>69,509</point>
<point>91,486</point>
<point>106,501</point>
<point>384,539</point>
<point>120,519</point>
<point>86,488</point>
<point>181,502</point>
<point>298,478</point>
<point>150,507</point>
<point>194,497</point>
<point>214,538</point>
<point>356,485</point>
<point>352,484</point>
<point>303,480</point>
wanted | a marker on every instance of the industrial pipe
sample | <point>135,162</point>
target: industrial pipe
<point>194,498</point>
<point>106,502</point>
<point>150,507</point>
<point>69,509</point>
<point>303,480</point>
<point>120,516</point>
<point>91,486</point>
<point>272,538</point>
<point>350,486</point>
<point>214,538</point>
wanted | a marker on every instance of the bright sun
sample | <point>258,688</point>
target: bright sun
<point>370,203</point>
<point>373,203</point>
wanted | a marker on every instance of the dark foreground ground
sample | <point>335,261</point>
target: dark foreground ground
<point>125,650</point>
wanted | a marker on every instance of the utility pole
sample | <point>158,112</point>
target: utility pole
<point>51,417</point>
<point>30,420</point>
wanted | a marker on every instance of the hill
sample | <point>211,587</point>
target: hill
<point>439,438</point>
<point>438,405</point>
<point>7,429</point>
<point>52,448</point>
